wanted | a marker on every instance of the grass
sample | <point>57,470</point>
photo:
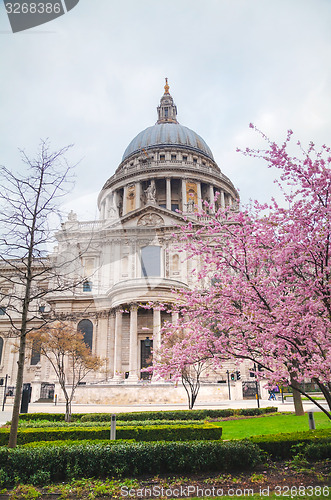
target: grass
<point>273,424</point>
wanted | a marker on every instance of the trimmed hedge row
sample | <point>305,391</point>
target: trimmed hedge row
<point>151,415</point>
<point>40,424</point>
<point>177,414</point>
<point>143,433</point>
<point>280,446</point>
<point>52,464</point>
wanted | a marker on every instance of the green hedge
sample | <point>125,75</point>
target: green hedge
<point>51,417</point>
<point>40,424</point>
<point>177,414</point>
<point>317,451</point>
<point>144,433</point>
<point>151,415</point>
<point>279,446</point>
<point>50,464</point>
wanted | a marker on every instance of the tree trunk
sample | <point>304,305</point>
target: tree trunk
<point>325,392</point>
<point>68,411</point>
<point>298,407</point>
<point>18,394</point>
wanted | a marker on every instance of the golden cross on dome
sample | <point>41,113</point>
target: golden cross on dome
<point>166,87</point>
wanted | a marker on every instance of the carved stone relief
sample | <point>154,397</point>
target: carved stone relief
<point>150,219</point>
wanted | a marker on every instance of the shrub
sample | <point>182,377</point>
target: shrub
<point>99,460</point>
<point>176,414</point>
<point>279,446</point>
<point>40,424</point>
<point>144,433</point>
<point>317,451</point>
<point>149,415</point>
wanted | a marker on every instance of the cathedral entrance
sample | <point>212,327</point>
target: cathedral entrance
<point>146,357</point>
<point>47,391</point>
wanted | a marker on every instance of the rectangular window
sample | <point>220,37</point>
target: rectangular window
<point>151,261</point>
<point>173,157</point>
<point>35,355</point>
<point>174,207</point>
<point>2,311</point>
<point>184,158</point>
<point>162,157</point>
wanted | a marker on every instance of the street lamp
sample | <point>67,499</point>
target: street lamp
<point>147,342</point>
<point>228,375</point>
<point>5,392</point>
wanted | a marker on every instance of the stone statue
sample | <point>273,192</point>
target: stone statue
<point>190,205</point>
<point>72,216</point>
<point>150,193</point>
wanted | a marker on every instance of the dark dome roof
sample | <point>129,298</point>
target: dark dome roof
<point>163,134</point>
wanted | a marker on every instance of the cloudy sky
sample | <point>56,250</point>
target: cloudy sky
<point>95,76</point>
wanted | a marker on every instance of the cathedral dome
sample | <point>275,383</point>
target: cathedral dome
<point>167,132</point>
<point>163,134</point>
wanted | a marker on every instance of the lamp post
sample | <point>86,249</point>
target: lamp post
<point>228,376</point>
<point>5,393</point>
<point>147,342</point>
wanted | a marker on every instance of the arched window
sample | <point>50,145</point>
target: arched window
<point>151,261</point>
<point>86,327</point>
<point>1,348</point>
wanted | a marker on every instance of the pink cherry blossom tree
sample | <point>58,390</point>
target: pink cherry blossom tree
<point>186,354</point>
<point>263,290</point>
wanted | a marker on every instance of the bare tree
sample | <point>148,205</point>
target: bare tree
<point>68,354</point>
<point>29,201</point>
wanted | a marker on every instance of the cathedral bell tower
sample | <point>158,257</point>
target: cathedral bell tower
<point>167,111</point>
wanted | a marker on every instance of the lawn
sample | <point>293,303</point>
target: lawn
<point>273,424</point>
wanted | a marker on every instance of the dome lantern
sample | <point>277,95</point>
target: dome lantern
<point>167,111</point>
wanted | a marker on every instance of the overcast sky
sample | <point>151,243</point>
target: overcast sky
<point>94,78</point>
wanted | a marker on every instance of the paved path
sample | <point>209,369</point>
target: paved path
<point>5,416</point>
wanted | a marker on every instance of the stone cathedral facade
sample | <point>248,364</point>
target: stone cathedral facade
<point>132,258</point>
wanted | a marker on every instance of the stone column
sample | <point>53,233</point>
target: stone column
<point>111,344</point>
<point>125,195</point>
<point>156,329</point>
<point>133,356</point>
<point>199,195</point>
<point>156,337</point>
<point>118,376</point>
<point>222,199</point>
<point>184,197</point>
<point>211,196</point>
<point>101,336</point>
<point>106,207</point>
<point>168,194</point>
<point>174,317</point>
<point>138,194</point>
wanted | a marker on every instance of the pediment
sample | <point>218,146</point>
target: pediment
<point>152,216</point>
